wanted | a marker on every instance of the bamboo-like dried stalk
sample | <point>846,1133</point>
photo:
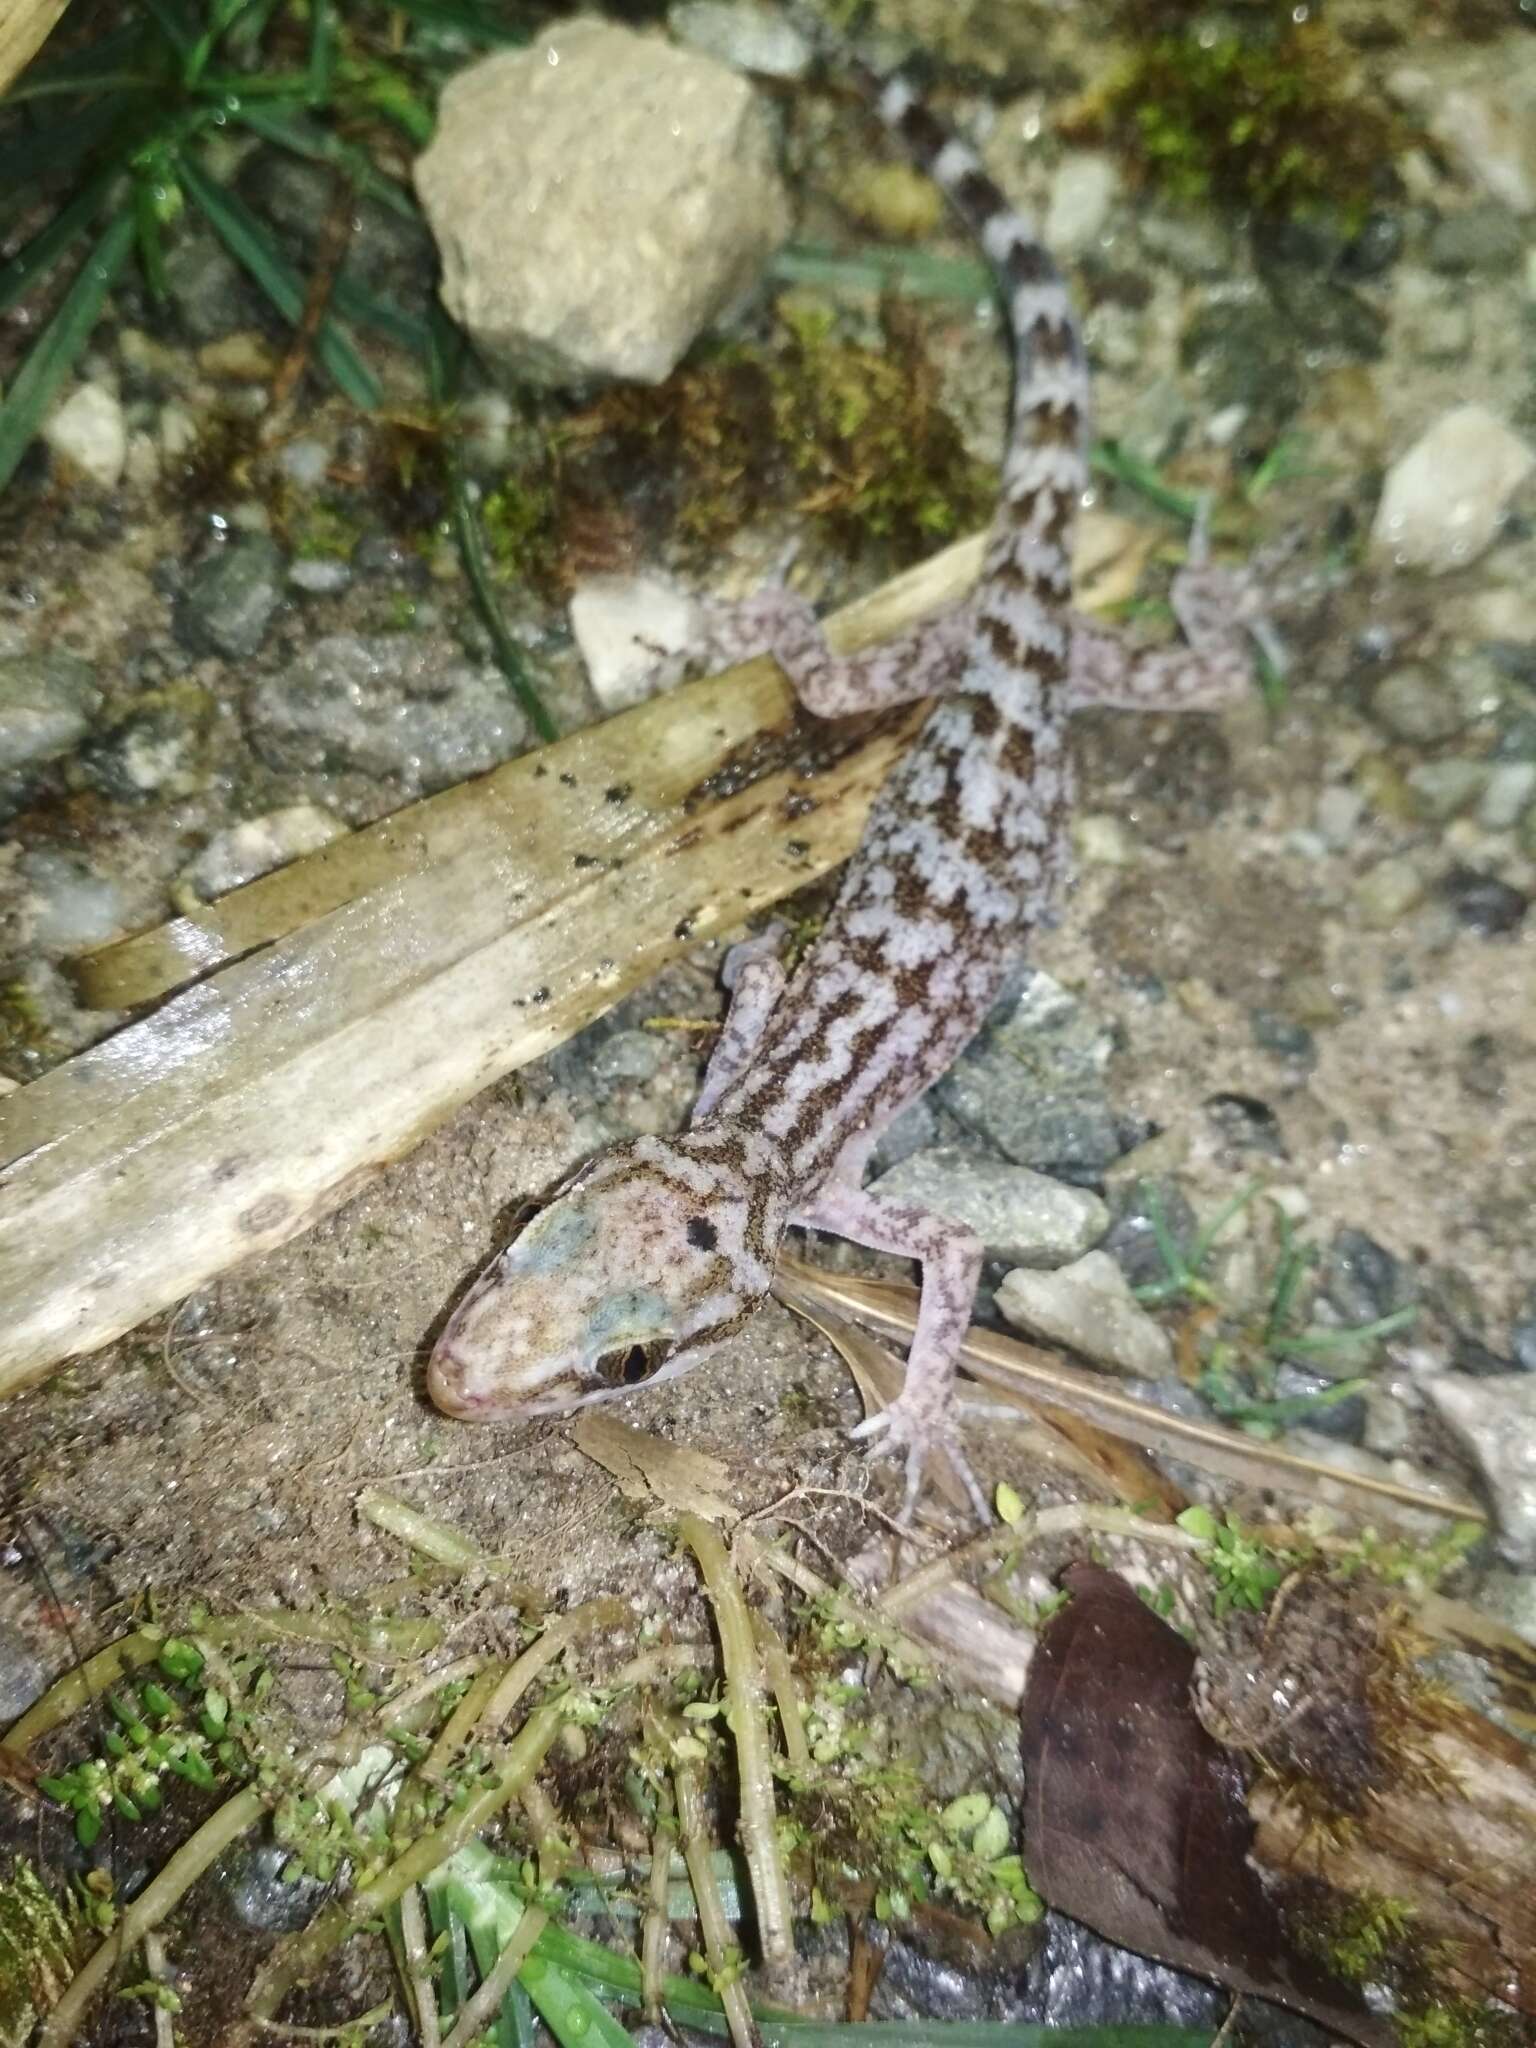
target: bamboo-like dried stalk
<point>25,25</point>
<point>358,997</point>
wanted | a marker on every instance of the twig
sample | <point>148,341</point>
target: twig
<point>434,1539</point>
<point>155,1963</point>
<point>343,2030</point>
<point>747,1719</point>
<point>418,1966</point>
<point>476,2016</point>
<point>330,251</point>
<point>158,1898</point>
<point>653,1940</point>
<point>1081,1517</point>
<point>720,1950</point>
<point>298,1959</point>
<point>786,1694</point>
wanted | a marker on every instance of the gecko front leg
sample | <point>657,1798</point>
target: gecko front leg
<point>920,1420</point>
<point>927,659</point>
<point>755,978</point>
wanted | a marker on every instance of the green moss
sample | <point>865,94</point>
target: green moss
<point>519,524</point>
<point>1262,117</point>
<point>850,437</point>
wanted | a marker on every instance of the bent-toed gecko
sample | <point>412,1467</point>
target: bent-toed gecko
<point>662,1248</point>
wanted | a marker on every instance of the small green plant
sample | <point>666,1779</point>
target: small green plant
<point>189,1734</point>
<point>1244,1570</point>
<point>132,122</point>
<point>1240,1354</point>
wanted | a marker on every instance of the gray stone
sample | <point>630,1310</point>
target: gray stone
<point>155,749</point>
<point>1022,1217</point>
<point>205,284</point>
<point>21,1675</point>
<point>1495,1420</point>
<point>1415,703</point>
<point>1444,789</point>
<point>1507,795</point>
<point>1343,1420</point>
<point>259,1895</point>
<point>71,907</point>
<point>399,704</point>
<point>46,702</point>
<point>1522,1337</point>
<point>598,200</point>
<point>1140,1212</point>
<point>1361,1278</point>
<point>1084,188</point>
<point>1032,1085</point>
<point>1088,1307</point>
<point>1195,243</point>
<point>627,1056</point>
<point>318,577</point>
<point>1484,904</point>
<point>1485,238</point>
<point>1279,1034</point>
<point>229,599</point>
<point>1445,498</point>
<point>1388,892</point>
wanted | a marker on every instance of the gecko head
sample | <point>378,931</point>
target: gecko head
<point>647,1260</point>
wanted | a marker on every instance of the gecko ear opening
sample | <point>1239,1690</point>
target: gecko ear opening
<point>631,1365</point>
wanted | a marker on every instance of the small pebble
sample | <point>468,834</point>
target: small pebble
<point>1484,904</point>
<point>1444,500</point>
<point>46,702</point>
<point>1280,1034</point>
<point>626,628</point>
<point>1361,1278</point>
<point>1507,795</point>
<point>318,577</point>
<point>305,463</point>
<point>1444,789</point>
<point>1088,1307</point>
<point>1495,1419</point>
<point>1416,704</point>
<point>72,908</point>
<point>89,434</point>
<point>1083,190</point>
<point>749,38</point>
<point>257,845</point>
<point>1387,892</point>
<point>230,599</point>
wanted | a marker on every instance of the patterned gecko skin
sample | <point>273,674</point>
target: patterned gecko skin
<point>659,1250</point>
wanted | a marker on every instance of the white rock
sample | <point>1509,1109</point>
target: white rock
<point>1495,1418</point>
<point>1082,192</point>
<point>71,906</point>
<point>89,434</point>
<point>1443,501</point>
<point>1020,1215</point>
<point>598,199</point>
<point>632,632</point>
<point>748,37</point>
<point>257,845</point>
<point>178,430</point>
<point>1089,1306</point>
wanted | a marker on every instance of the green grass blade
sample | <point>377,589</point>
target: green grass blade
<point>1111,460</point>
<point>359,305</point>
<point>293,131</point>
<point>461,20</point>
<point>60,344</point>
<point>56,146</point>
<point>322,50</point>
<point>29,265</point>
<point>914,271</point>
<point>252,245</point>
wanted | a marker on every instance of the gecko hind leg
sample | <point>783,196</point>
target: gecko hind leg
<point>920,1420</point>
<point>756,980</point>
<point>926,659</point>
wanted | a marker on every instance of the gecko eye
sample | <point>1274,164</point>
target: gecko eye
<point>632,1364</point>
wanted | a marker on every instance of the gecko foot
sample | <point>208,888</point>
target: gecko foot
<point>918,1432</point>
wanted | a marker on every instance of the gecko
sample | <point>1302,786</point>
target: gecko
<point>659,1250</point>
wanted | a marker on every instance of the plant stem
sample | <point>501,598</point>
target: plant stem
<point>747,1716</point>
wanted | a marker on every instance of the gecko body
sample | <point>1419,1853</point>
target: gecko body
<point>659,1250</point>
